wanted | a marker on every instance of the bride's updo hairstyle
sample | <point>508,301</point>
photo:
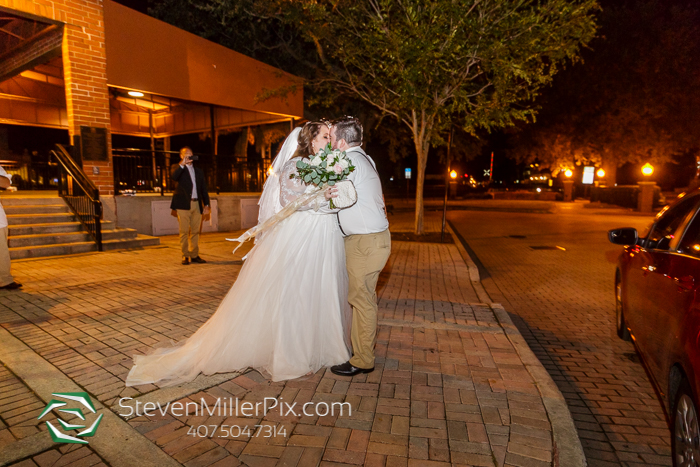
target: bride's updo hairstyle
<point>306,136</point>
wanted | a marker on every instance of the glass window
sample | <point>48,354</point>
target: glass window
<point>665,229</point>
<point>690,244</point>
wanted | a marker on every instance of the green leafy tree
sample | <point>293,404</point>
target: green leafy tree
<point>633,99</point>
<point>423,64</point>
<point>431,64</point>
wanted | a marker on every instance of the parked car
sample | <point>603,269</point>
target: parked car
<point>657,306</point>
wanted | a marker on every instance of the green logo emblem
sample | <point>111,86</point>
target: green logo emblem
<point>80,397</point>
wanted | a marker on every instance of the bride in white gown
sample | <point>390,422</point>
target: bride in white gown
<point>284,314</point>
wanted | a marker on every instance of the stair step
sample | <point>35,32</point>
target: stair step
<point>52,250</point>
<point>139,242</point>
<point>36,209</point>
<point>21,219</point>
<point>36,229</point>
<point>19,241</point>
<point>63,249</point>
<point>27,241</point>
<point>13,200</point>
<point>54,228</point>
<point>45,226</point>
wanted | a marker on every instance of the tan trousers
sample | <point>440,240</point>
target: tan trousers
<point>190,223</point>
<point>366,256</point>
<point>5,276</point>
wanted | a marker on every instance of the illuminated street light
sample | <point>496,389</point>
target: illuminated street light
<point>135,94</point>
<point>647,169</point>
<point>568,173</point>
<point>453,174</point>
<point>600,173</point>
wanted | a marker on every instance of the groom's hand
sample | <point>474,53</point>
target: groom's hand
<point>331,192</point>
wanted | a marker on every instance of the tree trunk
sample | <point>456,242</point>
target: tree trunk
<point>422,152</point>
<point>422,129</point>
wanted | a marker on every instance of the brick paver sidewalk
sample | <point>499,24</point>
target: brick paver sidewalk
<point>564,305</point>
<point>451,384</point>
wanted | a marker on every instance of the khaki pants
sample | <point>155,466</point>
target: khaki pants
<point>5,276</point>
<point>190,224</point>
<point>366,256</point>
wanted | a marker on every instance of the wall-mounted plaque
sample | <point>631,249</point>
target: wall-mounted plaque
<point>94,143</point>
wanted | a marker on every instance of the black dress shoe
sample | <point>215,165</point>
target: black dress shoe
<point>346,369</point>
<point>185,261</point>
<point>197,259</point>
<point>11,286</point>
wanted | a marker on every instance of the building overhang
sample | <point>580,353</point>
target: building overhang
<point>158,116</point>
<point>186,79</point>
<point>148,55</point>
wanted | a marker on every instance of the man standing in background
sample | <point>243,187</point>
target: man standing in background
<point>190,200</point>
<point>7,282</point>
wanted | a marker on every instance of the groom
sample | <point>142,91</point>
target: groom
<point>367,245</point>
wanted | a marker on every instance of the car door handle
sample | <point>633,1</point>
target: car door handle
<point>685,283</point>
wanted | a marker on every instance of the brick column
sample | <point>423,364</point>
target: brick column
<point>85,75</point>
<point>568,190</point>
<point>645,199</point>
<point>85,70</point>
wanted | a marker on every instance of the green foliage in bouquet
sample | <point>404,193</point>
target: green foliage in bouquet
<point>327,167</point>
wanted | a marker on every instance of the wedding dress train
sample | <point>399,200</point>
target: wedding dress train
<point>284,314</point>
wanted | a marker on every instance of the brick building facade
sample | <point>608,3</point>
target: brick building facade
<point>71,64</point>
<point>85,67</point>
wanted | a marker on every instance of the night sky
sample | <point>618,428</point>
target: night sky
<point>138,5</point>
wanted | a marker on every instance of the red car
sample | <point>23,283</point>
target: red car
<point>656,291</point>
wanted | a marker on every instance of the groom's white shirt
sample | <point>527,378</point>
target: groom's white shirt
<point>367,216</point>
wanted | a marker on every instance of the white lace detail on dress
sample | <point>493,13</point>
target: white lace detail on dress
<point>290,188</point>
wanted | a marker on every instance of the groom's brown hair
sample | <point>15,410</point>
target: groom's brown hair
<point>349,129</point>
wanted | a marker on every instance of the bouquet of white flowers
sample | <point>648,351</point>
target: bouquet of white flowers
<point>327,167</point>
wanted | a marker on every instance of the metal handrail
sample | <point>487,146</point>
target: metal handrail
<point>80,194</point>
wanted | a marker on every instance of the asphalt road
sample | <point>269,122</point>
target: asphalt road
<point>562,300</point>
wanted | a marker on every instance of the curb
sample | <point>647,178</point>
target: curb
<point>42,378</point>
<point>568,451</point>
<point>478,208</point>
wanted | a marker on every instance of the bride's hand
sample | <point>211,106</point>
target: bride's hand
<point>330,192</point>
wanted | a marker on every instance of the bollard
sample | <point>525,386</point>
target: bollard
<point>645,200</point>
<point>568,190</point>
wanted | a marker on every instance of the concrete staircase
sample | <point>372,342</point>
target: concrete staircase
<point>45,226</point>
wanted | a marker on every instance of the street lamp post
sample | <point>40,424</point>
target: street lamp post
<point>568,186</point>
<point>645,202</point>
<point>447,185</point>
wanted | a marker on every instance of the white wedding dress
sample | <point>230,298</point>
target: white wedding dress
<point>284,316</point>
